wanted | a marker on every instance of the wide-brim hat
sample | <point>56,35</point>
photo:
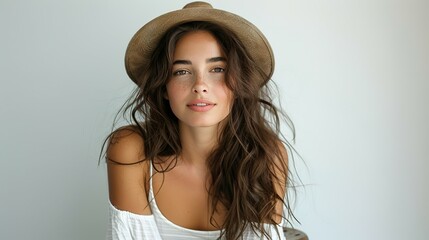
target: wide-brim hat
<point>146,39</point>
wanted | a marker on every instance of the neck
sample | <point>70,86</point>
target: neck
<point>197,143</point>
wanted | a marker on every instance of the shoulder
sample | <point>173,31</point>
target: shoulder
<point>125,146</point>
<point>128,171</point>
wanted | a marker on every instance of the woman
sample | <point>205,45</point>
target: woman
<point>203,158</point>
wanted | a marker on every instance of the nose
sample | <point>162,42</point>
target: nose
<point>200,85</point>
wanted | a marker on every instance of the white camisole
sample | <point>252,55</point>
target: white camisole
<point>125,225</point>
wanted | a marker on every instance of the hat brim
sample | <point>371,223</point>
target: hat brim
<point>146,39</point>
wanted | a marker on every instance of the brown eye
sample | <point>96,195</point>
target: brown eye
<point>218,70</point>
<point>180,72</point>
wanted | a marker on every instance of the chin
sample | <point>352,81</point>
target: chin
<point>202,123</point>
<point>206,124</point>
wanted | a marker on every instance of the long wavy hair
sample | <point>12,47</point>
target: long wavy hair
<point>245,165</point>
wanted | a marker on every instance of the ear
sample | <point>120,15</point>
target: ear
<point>165,95</point>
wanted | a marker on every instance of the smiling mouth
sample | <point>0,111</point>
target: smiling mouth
<point>200,104</point>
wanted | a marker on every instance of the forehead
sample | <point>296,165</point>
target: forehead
<point>197,43</point>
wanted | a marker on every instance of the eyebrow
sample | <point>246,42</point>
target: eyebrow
<point>216,59</point>
<point>209,60</point>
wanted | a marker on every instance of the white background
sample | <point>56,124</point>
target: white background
<point>353,75</point>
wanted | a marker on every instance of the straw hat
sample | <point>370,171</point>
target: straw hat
<point>141,46</point>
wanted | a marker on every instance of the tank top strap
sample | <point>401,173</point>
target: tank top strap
<point>151,195</point>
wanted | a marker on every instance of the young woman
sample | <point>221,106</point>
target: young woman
<point>203,158</point>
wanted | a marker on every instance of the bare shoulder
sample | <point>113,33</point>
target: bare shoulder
<point>128,171</point>
<point>126,146</point>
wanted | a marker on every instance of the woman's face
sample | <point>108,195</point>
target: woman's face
<point>196,89</point>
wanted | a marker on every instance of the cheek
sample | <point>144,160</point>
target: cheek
<point>173,90</point>
<point>176,94</point>
<point>229,96</point>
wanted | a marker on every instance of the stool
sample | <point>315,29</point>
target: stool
<point>294,234</point>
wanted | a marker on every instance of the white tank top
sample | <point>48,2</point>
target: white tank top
<point>125,225</point>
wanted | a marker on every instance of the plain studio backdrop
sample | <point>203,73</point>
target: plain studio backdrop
<point>352,74</point>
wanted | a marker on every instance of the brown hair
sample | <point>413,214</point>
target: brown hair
<point>245,165</point>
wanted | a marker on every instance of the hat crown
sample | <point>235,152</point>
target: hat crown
<point>198,4</point>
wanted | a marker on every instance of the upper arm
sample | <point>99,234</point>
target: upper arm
<point>127,173</point>
<point>280,182</point>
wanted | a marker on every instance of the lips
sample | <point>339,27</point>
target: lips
<point>200,105</point>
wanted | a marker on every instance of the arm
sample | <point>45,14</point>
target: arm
<point>280,181</point>
<point>127,174</point>
<point>130,214</point>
